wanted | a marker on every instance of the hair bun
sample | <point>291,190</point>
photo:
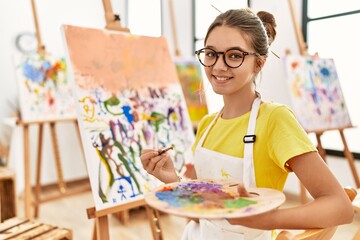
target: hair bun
<point>269,24</point>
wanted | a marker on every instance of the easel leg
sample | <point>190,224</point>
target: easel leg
<point>320,147</point>
<point>38,171</point>
<point>79,137</point>
<point>102,228</point>
<point>27,186</point>
<point>154,220</point>
<point>123,216</point>
<point>94,237</point>
<point>357,235</point>
<point>350,159</point>
<point>57,158</point>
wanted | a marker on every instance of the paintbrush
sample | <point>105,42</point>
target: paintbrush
<point>165,150</point>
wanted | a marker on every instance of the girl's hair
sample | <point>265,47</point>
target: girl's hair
<point>258,28</point>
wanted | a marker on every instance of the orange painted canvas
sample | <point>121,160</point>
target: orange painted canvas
<point>128,98</point>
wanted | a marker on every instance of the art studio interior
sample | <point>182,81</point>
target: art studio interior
<point>109,110</point>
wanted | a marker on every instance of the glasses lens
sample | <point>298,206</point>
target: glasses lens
<point>207,57</point>
<point>234,58</point>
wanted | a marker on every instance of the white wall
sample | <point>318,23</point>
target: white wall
<point>16,17</point>
<point>272,85</point>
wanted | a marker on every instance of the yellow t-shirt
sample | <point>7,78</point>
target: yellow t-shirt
<point>279,137</point>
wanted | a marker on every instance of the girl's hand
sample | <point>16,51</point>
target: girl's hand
<point>251,221</point>
<point>242,190</point>
<point>159,165</point>
<point>190,172</point>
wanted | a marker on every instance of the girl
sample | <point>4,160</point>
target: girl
<point>271,142</point>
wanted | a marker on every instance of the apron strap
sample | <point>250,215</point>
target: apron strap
<point>202,139</point>
<point>249,139</point>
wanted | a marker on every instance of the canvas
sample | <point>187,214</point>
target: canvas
<point>316,95</point>
<point>44,90</point>
<point>190,77</point>
<point>128,98</point>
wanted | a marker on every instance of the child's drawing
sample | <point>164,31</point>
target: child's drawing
<point>44,91</point>
<point>316,94</point>
<point>129,98</point>
<point>189,73</point>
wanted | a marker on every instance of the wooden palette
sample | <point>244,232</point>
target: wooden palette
<point>212,199</point>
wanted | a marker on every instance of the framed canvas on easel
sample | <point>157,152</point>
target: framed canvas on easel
<point>317,98</point>
<point>45,98</point>
<point>190,76</point>
<point>128,98</point>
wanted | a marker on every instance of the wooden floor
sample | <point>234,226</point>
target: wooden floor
<point>70,212</point>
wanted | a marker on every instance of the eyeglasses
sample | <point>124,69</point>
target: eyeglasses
<point>233,58</point>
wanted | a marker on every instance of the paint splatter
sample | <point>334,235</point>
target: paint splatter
<point>200,196</point>
<point>44,90</point>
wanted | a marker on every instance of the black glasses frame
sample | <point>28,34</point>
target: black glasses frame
<point>198,52</point>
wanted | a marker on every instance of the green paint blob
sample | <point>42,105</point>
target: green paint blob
<point>238,203</point>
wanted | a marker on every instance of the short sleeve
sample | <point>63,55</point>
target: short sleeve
<point>287,138</point>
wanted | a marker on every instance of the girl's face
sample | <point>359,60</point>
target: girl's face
<point>225,80</point>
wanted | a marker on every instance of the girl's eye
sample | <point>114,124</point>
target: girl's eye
<point>210,54</point>
<point>235,55</point>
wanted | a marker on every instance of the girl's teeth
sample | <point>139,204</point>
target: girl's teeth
<point>222,78</point>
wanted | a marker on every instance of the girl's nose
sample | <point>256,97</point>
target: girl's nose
<point>220,63</point>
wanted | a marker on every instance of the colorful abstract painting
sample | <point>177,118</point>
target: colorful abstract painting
<point>316,94</point>
<point>44,90</point>
<point>189,72</point>
<point>128,98</point>
<point>212,199</point>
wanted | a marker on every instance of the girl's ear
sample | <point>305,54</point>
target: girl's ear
<point>259,64</point>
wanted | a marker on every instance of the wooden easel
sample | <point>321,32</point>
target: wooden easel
<point>173,28</point>
<point>63,191</point>
<point>348,155</point>
<point>101,225</point>
<point>177,51</point>
<point>113,21</point>
<point>26,142</point>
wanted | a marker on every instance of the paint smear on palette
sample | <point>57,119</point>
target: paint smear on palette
<point>201,196</point>
<point>210,199</point>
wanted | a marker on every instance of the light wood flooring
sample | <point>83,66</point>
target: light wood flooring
<point>70,212</point>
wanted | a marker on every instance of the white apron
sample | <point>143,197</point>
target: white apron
<point>214,165</point>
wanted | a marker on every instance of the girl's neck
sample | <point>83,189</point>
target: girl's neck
<point>235,107</point>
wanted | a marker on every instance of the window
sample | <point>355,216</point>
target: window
<point>321,8</point>
<point>332,30</point>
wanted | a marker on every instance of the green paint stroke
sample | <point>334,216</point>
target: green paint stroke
<point>238,203</point>
<point>112,102</point>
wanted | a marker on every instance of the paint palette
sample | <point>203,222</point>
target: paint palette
<point>212,199</point>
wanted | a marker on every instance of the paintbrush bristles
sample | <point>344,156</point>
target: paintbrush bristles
<point>165,150</point>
